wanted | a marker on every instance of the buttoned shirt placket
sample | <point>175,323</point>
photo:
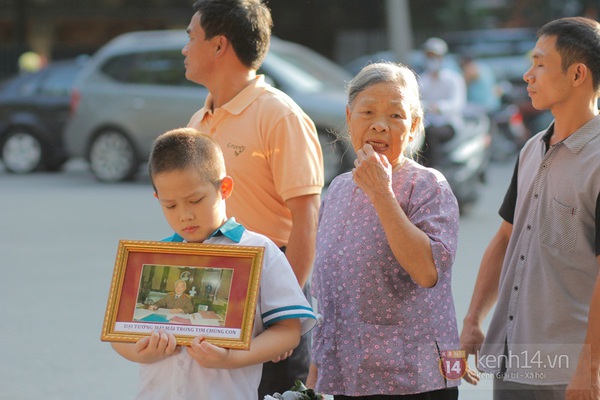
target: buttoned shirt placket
<point>526,237</point>
<point>212,119</point>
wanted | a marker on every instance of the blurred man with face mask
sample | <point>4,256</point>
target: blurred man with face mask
<point>444,96</point>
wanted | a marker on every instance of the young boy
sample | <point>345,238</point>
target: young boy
<point>187,170</point>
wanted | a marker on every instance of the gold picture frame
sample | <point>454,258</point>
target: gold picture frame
<point>222,284</point>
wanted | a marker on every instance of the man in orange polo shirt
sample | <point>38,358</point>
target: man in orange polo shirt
<point>270,145</point>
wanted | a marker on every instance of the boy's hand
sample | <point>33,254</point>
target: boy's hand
<point>156,347</point>
<point>208,355</point>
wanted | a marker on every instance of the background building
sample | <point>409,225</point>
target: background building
<point>339,29</point>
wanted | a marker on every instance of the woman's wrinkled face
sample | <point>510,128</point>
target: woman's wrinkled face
<point>380,115</point>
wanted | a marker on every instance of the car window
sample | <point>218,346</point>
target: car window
<point>302,80</point>
<point>58,82</point>
<point>316,71</point>
<point>27,85</point>
<point>152,68</point>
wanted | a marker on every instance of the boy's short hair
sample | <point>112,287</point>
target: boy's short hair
<point>185,148</point>
<point>577,41</point>
<point>245,23</point>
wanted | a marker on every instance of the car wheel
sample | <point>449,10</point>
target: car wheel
<point>22,151</point>
<point>112,157</point>
<point>336,155</point>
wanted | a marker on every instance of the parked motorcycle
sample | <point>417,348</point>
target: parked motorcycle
<point>508,132</point>
<point>516,121</point>
<point>462,156</point>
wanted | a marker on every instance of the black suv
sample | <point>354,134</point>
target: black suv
<point>34,108</point>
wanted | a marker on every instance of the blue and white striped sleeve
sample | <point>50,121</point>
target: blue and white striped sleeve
<point>281,297</point>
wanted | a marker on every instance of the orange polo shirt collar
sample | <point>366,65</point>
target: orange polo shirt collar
<point>240,102</point>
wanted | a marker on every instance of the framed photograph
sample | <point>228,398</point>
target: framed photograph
<point>187,289</point>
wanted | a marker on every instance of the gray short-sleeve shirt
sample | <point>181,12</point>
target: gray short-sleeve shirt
<point>550,266</point>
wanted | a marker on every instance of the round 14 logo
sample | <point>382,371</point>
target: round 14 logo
<point>453,364</point>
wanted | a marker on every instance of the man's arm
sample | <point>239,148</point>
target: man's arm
<point>313,376</point>
<point>485,293</point>
<point>161,303</point>
<point>300,249</point>
<point>585,383</point>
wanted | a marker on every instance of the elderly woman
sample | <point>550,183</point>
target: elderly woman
<point>386,242</point>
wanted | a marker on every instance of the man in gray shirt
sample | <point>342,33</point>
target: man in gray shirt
<point>541,267</point>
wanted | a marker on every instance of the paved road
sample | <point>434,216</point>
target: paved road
<point>57,248</point>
